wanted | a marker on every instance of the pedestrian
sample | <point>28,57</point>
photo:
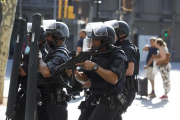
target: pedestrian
<point>152,50</point>
<point>54,98</point>
<point>165,68</point>
<point>82,35</point>
<point>102,74</point>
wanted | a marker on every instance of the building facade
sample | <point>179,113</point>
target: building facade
<point>159,18</point>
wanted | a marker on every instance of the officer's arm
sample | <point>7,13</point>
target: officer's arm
<point>22,72</point>
<point>107,75</point>
<point>43,68</point>
<point>130,70</point>
<point>131,61</point>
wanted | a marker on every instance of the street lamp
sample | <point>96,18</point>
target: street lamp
<point>160,24</point>
<point>97,10</point>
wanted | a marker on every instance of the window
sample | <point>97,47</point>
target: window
<point>167,6</point>
<point>138,5</point>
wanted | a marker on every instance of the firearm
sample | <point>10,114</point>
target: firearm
<point>56,76</point>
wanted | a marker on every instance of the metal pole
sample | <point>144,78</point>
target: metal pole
<point>97,11</point>
<point>20,8</point>
<point>55,9</point>
<point>173,26</point>
<point>132,20</point>
<point>120,18</point>
<point>91,11</point>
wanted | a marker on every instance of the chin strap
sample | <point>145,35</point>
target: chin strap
<point>119,38</point>
<point>56,41</point>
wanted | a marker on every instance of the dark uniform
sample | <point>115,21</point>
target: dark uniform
<point>53,98</point>
<point>54,109</point>
<point>102,102</point>
<point>130,52</point>
<point>130,84</point>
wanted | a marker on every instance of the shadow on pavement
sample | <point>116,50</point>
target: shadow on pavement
<point>150,105</point>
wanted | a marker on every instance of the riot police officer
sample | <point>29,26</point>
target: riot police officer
<point>103,74</point>
<point>23,74</point>
<point>132,53</point>
<point>53,97</point>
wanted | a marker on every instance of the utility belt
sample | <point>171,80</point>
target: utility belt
<point>54,97</point>
<point>97,99</point>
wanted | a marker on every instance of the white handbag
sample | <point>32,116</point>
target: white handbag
<point>155,70</point>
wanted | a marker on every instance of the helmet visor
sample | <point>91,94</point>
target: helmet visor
<point>112,23</point>
<point>87,44</point>
<point>49,25</point>
<point>97,28</point>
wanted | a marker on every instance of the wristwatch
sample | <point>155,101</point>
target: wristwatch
<point>95,67</point>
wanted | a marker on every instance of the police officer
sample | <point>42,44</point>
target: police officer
<point>103,74</point>
<point>53,97</point>
<point>23,74</point>
<point>122,32</point>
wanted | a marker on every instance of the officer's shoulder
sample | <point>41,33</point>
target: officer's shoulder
<point>62,50</point>
<point>117,50</point>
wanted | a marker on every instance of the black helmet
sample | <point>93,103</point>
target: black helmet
<point>29,31</point>
<point>57,29</point>
<point>123,28</point>
<point>101,31</point>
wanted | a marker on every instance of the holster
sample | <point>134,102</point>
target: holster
<point>130,83</point>
<point>122,101</point>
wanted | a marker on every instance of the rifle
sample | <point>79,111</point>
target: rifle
<point>56,76</point>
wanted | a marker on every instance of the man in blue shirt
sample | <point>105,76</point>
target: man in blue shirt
<point>152,51</point>
<point>82,35</point>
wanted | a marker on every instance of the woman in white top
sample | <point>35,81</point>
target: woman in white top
<point>164,69</point>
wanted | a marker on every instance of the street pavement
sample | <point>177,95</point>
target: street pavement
<point>141,109</point>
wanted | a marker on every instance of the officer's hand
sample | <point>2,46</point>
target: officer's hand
<point>68,72</point>
<point>88,65</point>
<point>40,55</point>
